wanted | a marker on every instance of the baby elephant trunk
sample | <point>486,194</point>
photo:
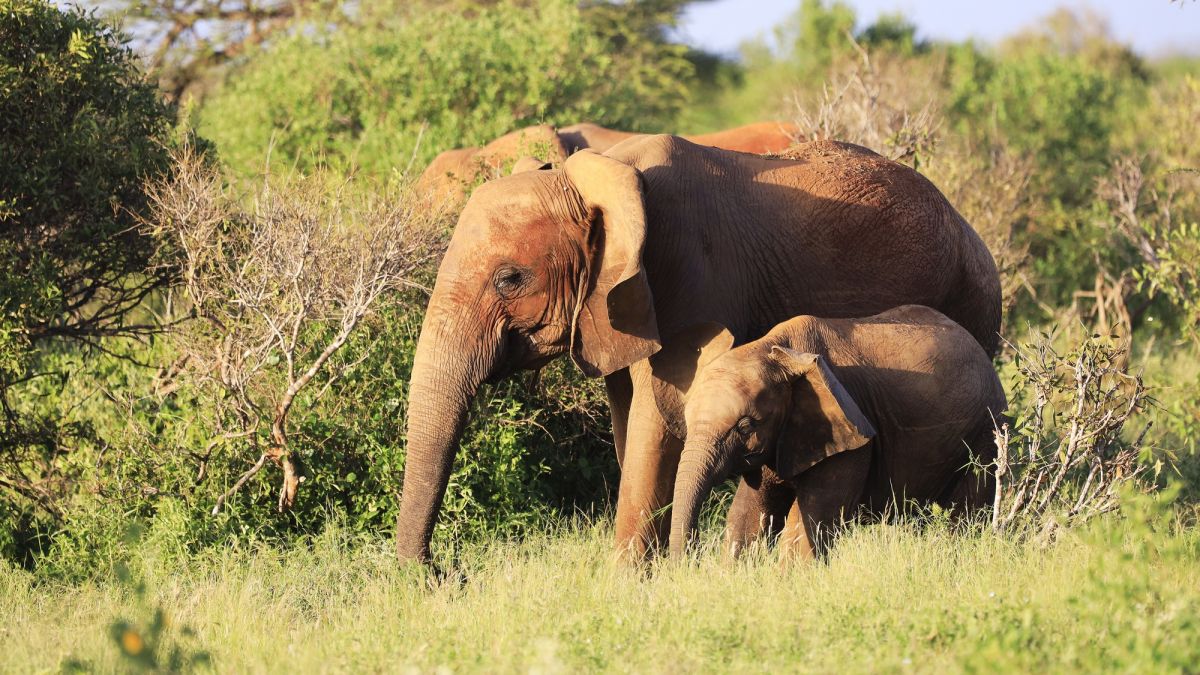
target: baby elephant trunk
<point>698,470</point>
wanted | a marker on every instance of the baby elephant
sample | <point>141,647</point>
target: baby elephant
<point>849,413</point>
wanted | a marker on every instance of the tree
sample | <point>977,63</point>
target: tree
<point>185,39</point>
<point>80,130</point>
<point>388,92</point>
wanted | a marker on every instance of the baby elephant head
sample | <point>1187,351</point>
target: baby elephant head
<point>761,403</point>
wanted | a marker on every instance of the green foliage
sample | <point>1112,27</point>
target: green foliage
<point>387,94</point>
<point>1058,109</point>
<point>894,33</point>
<point>794,58</point>
<point>80,129</point>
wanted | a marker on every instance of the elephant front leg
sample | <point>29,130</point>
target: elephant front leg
<point>620,395</point>
<point>759,508</point>
<point>651,458</point>
<point>827,495</point>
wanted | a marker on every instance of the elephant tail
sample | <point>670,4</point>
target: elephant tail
<point>976,302</point>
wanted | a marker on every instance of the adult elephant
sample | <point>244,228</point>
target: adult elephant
<point>612,255</point>
<point>759,138</point>
<point>452,172</point>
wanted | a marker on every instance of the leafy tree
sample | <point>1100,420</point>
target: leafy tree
<point>80,129</point>
<point>184,40</point>
<point>893,32</point>
<point>391,90</point>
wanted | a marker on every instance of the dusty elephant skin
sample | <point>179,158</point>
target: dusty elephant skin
<point>847,414</point>
<point>453,172</point>
<point>610,256</point>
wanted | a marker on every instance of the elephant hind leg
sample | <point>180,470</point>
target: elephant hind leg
<point>974,488</point>
<point>976,302</point>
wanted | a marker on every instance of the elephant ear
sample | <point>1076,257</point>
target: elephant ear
<point>614,323</point>
<point>529,164</point>
<point>676,366</point>
<point>824,419</point>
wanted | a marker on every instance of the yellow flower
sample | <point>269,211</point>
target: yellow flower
<point>132,643</point>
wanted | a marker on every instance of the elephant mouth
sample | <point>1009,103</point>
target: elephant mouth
<point>754,460</point>
<point>519,351</point>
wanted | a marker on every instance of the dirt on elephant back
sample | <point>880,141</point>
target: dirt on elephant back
<point>823,150</point>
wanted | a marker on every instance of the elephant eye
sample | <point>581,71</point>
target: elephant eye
<point>746,425</point>
<point>509,281</point>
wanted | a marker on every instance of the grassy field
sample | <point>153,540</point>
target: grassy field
<point>1072,155</point>
<point>916,596</point>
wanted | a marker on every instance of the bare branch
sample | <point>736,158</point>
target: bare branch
<point>281,287</point>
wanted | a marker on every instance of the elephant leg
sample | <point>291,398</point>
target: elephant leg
<point>620,395</point>
<point>974,487</point>
<point>647,473</point>
<point>826,495</point>
<point>759,507</point>
<point>795,543</point>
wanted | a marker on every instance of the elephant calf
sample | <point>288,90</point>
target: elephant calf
<point>848,413</point>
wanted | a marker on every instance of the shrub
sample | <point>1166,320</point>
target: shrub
<point>277,292</point>
<point>80,129</point>
<point>1068,456</point>
<point>389,93</point>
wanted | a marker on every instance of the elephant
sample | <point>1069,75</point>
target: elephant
<point>847,414</point>
<point>607,256</point>
<point>759,138</point>
<point>453,172</point>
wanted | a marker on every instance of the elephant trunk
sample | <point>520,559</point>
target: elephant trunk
<point>451,361</point>
<point>698,471</point>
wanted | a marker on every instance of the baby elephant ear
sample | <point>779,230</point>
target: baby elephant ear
<point>529,164</point>
<point>824,419</point>
<point>676,366</point>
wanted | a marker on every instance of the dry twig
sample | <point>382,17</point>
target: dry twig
<point>278,289</point>
<point>1067,456</point>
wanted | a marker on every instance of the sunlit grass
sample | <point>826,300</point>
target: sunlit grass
<point>909,596</point>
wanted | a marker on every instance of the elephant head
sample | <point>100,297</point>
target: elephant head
<point>541,263</point>
<point>757,404</point>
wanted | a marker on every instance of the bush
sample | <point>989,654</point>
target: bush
<point>390,92</point>
<point>81,129</point>
<point>1069,456</point>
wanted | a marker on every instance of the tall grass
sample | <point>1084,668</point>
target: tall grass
<point>920,596</point>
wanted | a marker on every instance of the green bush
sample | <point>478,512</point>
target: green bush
<point>81,129</point>
<point>391,91</point>
<point>1055,108</point>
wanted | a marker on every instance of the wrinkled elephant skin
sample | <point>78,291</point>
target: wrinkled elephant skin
<point>610,256</point>
<point>849,414</point>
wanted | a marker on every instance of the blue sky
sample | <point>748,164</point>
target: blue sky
<point>1152,27</point>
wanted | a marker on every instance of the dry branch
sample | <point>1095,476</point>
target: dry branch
<point>277,289</point>
<point>1068,456</point>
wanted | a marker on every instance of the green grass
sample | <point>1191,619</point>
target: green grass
<point>918,597</point>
